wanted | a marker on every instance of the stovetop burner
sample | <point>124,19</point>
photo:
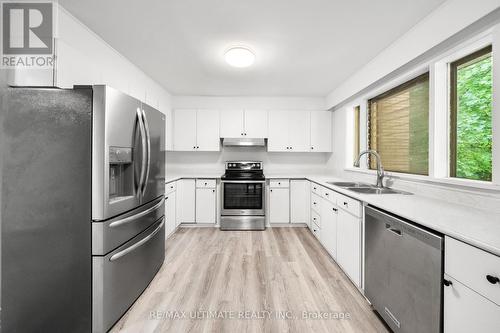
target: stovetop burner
<point>243,170</point>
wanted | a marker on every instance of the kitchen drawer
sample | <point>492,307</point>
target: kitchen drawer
<point>315,218</point>
<point>170,187</point>
<point>349,205</point>
<point>276,183</point>
<point>329,195</point>
<point>315,188</point>
<point>205,183</point>
<point>466,311</point>
<point>316,202</point>
<point>108,235</point>
<point>122,275</point>
<point>316,231</point>
<point>474,268</point>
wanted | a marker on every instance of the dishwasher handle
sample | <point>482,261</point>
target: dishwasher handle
<point>395,231</point>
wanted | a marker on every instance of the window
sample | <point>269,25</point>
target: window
<point>398,127</point>
<point>356,148</point>
<point>470,116</point>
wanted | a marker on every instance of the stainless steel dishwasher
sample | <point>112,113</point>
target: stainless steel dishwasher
<point>403,272</point>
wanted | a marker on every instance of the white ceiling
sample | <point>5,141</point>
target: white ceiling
<point>303,47</point>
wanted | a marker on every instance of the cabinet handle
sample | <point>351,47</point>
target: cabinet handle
<point>271,190</point>
<point>213,191</point>
<point>314,203</point>
<point>279,183</point>
<point>314,188</point>
<point>314,218</point>
<point>345,204</point>
<point>335,209</point>
<point>447,282</point>
<point>166,198</point>
<point>312,148</point>
<point>205,184</point>
<point>492,279</point>
<point>194,147</point>
<point>326,194</point>
<point>197,147</point>
<point>241,134</point>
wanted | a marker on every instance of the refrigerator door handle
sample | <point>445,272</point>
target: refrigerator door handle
<point>148,144</point>
<point>136,216</point>
<point>144,147</point>
<point>143,241</point>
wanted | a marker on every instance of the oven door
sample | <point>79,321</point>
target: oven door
<point>243,198</point>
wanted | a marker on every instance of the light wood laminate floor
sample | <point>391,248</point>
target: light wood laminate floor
<point>249,281</point>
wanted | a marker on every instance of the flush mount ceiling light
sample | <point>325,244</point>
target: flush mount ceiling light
<point>239,56</point>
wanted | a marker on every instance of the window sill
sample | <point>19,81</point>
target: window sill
<point>448,182</point>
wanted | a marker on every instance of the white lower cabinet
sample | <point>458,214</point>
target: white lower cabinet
<point>299,201</point>
<point>170,213</point>
<point>329,227</point>
<point>349,245</point>
<point>279,202</point>
<point>338,221</point>
<point>205,205</point>
<point>186,201</point>
<point>467,311</point>
<point>471,289</point>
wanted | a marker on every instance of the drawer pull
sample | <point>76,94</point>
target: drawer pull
<point>335,209</point>
<point>314,218</point>
<point>326,194</point>
<point>492,279</point>
<point>345,203</point>
<point>447,282</point>
<point>136,216</point>
<point>135,246</point>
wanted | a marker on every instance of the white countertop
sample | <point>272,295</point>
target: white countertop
<point>474,226</point>
<point>477,227</point>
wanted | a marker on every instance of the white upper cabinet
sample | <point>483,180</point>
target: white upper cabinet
<point>243,123</point>
<point>196,130</point>
<point>321,131</point>
<point>289,131</point>
<point>278,131</point>
<point>185,130</point>
<point>232,123</point>
<point>207,130</point>
<point>256,123</point>
<point>299,131</point>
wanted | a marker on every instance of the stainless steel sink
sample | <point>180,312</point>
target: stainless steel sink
<point>350,184</point>
<point>376,190</point>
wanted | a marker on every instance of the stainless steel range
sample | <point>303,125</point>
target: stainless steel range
<point>243,196</point>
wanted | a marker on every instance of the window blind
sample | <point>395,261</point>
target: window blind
<point>398,127</point>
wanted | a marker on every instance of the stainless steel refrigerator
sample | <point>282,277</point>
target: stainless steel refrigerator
<point>82,208</point>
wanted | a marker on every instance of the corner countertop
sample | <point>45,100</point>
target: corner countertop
<point>480,228</point>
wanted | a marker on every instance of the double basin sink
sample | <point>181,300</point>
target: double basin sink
<point>366,188</point>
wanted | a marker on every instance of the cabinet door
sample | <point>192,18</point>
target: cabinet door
<point>299,201</point>
<point>278,131</point>
<point>321,131</point>
<point>232,124</point>
<point>170,220</point>
<point>205,205</point>
<point>467,311</point>
<point>329,227</point>
<point>256,123</point>
<point>186,196</point>
<point>185,130</point>
<point>299,131</point>
<point>349,245</point>
<point>279,205</point>
<point>207,130</point>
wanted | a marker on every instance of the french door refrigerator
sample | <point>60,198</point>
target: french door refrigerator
<point>82,213</point>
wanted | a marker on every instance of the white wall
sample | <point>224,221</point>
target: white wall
<point>210,162</point>
<point>447,20</point>
<point>83,58</point>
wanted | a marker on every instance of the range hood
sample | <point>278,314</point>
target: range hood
<point>244,142</point>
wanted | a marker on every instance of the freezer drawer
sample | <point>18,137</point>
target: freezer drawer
<point>108,235</point>
<point>122,275</point>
